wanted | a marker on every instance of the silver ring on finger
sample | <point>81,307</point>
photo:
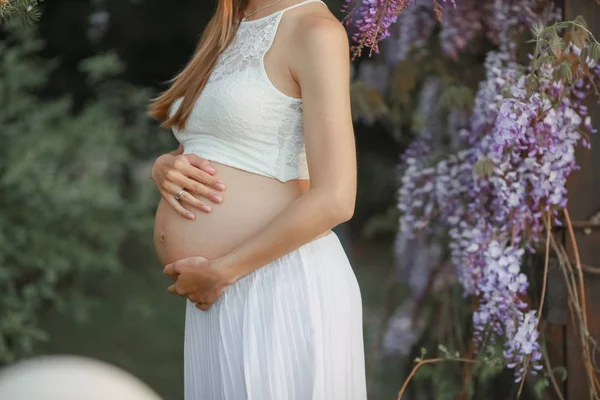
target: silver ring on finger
<point>179,193</point>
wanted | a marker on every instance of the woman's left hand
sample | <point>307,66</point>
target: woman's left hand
<point>198,279</point>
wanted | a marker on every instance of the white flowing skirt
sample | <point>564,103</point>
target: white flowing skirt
<point>292,330</point>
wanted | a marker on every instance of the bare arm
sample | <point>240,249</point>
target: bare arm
<point>322,69</point>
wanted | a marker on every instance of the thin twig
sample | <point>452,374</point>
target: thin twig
<point>543,296</point>
<point>467,372</point>
<point>457,328</point>
<point>567,271</point>
<point>577,304</point>
<point>546,262</point>
<point>430,361</point>
<point>551,376</point>
<point>577,264</point>
<point>572,298</point>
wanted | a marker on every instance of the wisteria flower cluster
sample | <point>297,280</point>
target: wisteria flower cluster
<point>503,17</point>
<point>459,26</point>
<point>492,195</point>
<point>412,32</point>
<point>373,19</point>
<point>509,160</point>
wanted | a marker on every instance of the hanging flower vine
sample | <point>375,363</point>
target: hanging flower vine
<point>501,183</point>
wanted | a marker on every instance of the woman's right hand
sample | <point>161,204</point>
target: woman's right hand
<point>173,172</point>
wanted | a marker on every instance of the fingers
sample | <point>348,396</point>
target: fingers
<point>199,187</point>
<point>203,177</point>
<point>194,181</point>
<point>177,206</point>
<point>201,163</point>
<point>173,270</point>
<point>201,305</point>
<point>193,298</point>
<point>172,289</point>
<point>201,171</point>
<point>185,197</point>
<point>176,289</point>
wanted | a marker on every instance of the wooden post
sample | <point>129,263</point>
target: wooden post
<point>584,202</point>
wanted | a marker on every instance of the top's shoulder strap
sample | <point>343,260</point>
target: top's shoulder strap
<point>303,3</point>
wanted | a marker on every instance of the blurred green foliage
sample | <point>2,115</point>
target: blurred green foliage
<point>69,197</point>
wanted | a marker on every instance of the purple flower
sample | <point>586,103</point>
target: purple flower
<point>373,19</point>
<point>412,31</point>
<point>460,26</point>
<point>504,17</point>
<point>410,23</point>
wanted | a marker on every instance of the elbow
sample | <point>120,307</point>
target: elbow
<point>340,210</point>
<point>346,211</point>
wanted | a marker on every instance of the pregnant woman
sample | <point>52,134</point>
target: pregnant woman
<point>273,306</point>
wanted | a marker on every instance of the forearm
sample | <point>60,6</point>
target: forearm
<point>302,221</point>
<point>321,68</point>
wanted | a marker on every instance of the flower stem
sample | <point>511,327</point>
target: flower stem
<point>430,361</point>
<point>543,296</point>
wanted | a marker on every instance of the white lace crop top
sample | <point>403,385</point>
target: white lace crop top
<point>240,119</point>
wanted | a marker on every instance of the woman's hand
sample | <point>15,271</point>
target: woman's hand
<point>193,174</point>
<point>198,279</point>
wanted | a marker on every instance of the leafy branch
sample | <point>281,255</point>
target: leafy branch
<point>19,11</point>
<point>551,48</point>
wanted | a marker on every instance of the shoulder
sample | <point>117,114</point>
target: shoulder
<point>318,36</point>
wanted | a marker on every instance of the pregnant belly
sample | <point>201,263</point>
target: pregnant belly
<point>250,202</point>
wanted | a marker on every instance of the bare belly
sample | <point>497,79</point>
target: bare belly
<point>250,202</point>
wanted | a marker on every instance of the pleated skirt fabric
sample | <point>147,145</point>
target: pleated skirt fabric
<point>291,330</point>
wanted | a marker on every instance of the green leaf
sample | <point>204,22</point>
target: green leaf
<point>563,72</point>
<point>484,168</point>
<point>538,29</point>
<point>541,386</point>
<point>562,371</point>
<point>102,67</point>
<point>557,45</point>
<point>456,96</point>
<point>583,56</point>
<point>594,51</point>
<point>580,20</point>
<point>424,371</point>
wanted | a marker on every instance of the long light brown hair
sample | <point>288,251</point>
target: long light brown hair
<point>190,82</point>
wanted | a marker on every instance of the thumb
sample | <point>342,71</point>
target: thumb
<point>172,270</point>
<point>201,163</point>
